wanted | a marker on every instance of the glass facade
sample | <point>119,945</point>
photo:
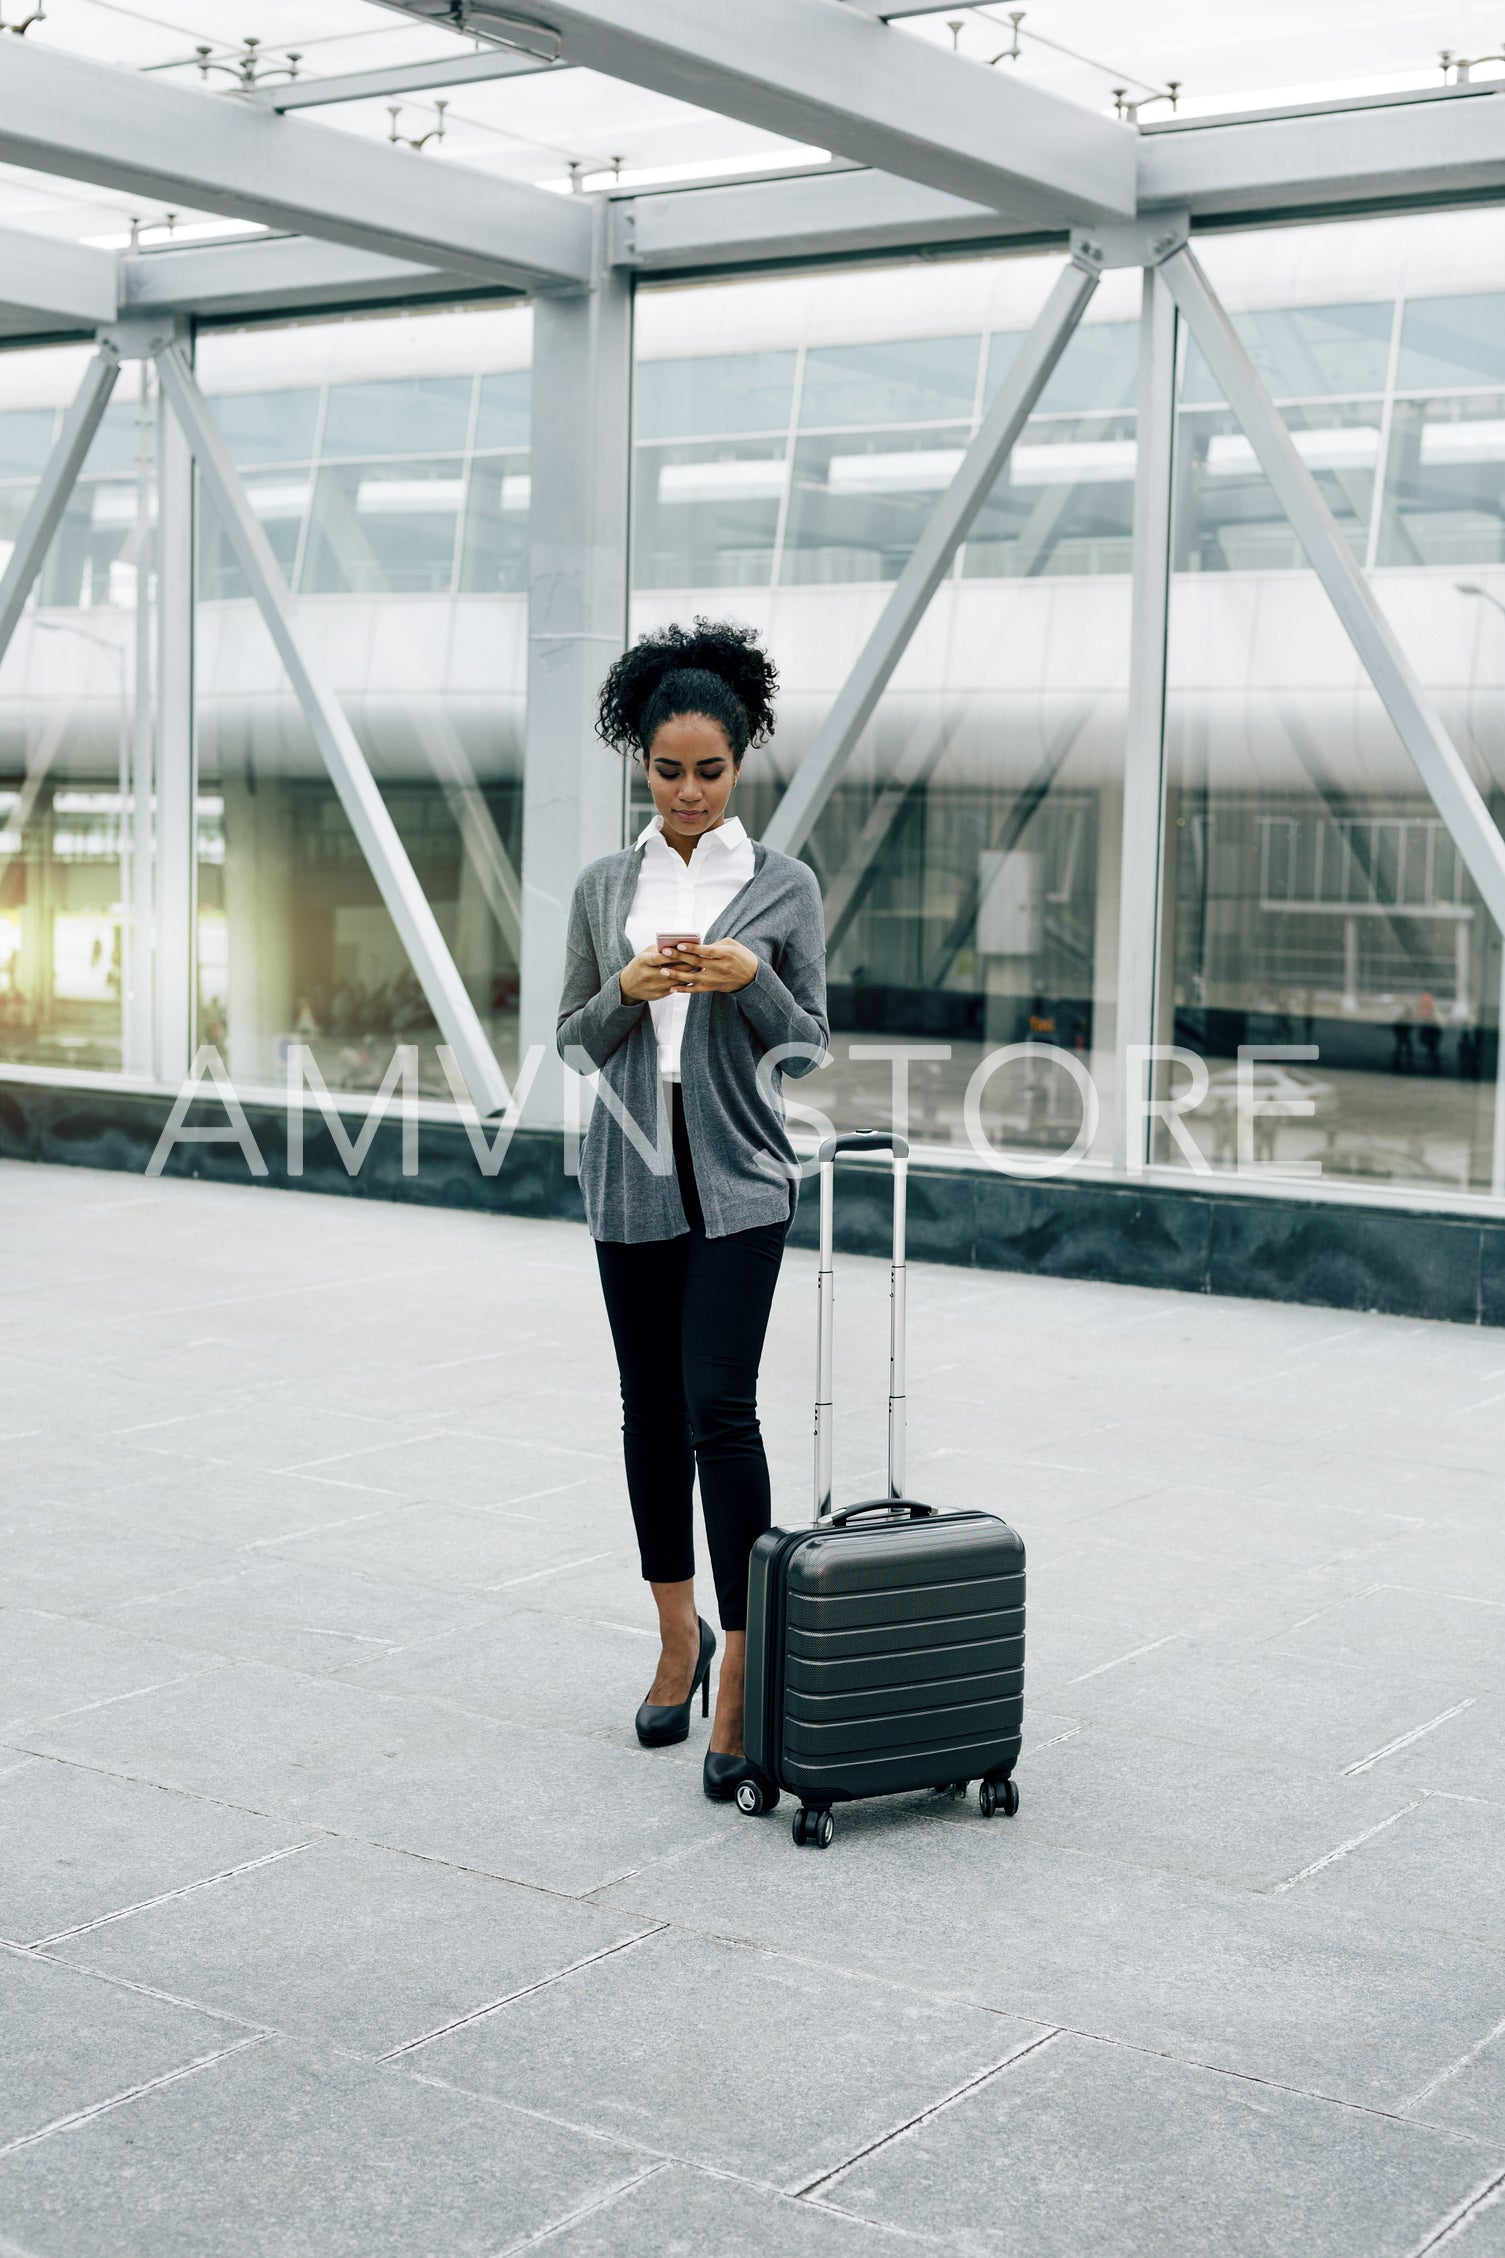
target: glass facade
<point>791,436</point>
<point>399,508</point>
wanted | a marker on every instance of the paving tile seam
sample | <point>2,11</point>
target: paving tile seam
<point>524,1991</point>
<point>1453,2225</point>
<point>974,2084</point>
<point>123,2100</point>
<point>582,2211</point>
<point>659,2157</point>
<point>1066,2029</point>
<point>1463,2062</point>
<point>112,1701</point>
<point>169,1897</point>
<point>1449,2135</point>
<point>1343,1850</point>
<point>118,1982</point>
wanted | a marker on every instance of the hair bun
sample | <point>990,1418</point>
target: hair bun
<point>731,654</point>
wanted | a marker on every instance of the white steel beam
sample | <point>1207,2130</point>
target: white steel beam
<point>407,904</point>
<point>1437,759</point>
<point>57,482</point>
<point>831,747</point>
<point>65,282</point>
<point>401,78</point>
<point>1144,734</point>
<point>216,153</point>
<point>1379,158</point>
<point>824,215</point>
<point>265,273</point>
<point>821,72</point>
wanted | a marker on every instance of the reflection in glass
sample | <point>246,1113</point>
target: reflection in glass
<point>859,502</point>
<point>279,500</point>
<point>385,529</point>
<point>712,394</point>
<point>1452,341</point>
<point>504,411</point>
<point>1098,370</point>
<point>267,427</point>
<point>1445,482</point>
<point>427,415</point>
<point>1065,504</point>
<point>1305,352</point>
<point>1227,517</point>
<point>912,380</point>
<point>707,516</point>
<point>494,556</point>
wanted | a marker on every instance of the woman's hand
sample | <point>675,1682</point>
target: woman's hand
<point>718,968</point>
<point>653,974</point>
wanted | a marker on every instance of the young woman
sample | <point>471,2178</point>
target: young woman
<point>687,1171</point>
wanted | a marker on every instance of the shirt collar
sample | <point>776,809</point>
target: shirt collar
<point>730,834</point>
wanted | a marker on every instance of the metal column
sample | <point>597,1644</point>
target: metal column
<point>407,904</point>
<point>1144,736</point>
<point>819,772</point>
<point>177,757</point>
<point>573,786</point>
<point>1437,759</point>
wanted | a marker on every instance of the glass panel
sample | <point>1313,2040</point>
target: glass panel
<point>504,415</point>
<point>26,437</point>
<point>1099,368</point>
<point>494,558</point>
<point>708,516</point>
<point>1445,482</point>
<point>280,502</point>
<point>382,528</point>
<point>1228,520</point>
<point>723,392</point>
<point>1065,504</point>
<point>969,856</point>
<point>70,845</point>
<point>267,427</point>
<point>1306,352</point>
<point>913,380</point>
<point>427,415</point>
<point>1314,898</point>
<point>1448,341</point>
<point>859,504</point>
<point>295,942</point>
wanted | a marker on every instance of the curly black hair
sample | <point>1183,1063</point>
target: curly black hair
<point>714,668</point>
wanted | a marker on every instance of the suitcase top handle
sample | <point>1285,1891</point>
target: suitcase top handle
<point>863,1141</point>
<point>859,1141</point>
<point>908,1507</point>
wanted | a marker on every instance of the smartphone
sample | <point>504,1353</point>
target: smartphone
<point>678,940</point>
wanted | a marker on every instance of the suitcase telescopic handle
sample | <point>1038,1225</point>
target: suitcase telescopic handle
<point>859,1141</point>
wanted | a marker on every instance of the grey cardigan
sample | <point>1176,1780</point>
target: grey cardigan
<point>745,1169</point>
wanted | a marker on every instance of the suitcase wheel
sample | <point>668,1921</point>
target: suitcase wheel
<point>814,1826</point>
<point>753,1797</point>
<point>997,1795</point>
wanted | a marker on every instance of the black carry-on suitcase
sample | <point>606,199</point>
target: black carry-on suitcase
<point>885,1641</point>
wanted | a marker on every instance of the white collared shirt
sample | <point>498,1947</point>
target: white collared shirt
<point>675,896</point>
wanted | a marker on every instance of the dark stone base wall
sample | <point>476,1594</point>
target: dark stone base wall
<point>1409,1263</point>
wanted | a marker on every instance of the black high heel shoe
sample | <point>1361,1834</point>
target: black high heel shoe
<point>724,1777</point>
<point>661,1724</point>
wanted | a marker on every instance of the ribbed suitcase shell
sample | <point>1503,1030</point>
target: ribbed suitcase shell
<point>885,1654</point>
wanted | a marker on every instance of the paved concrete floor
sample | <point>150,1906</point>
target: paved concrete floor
<point>345,1916</point>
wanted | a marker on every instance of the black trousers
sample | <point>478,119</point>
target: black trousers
<point>688,1317</point>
